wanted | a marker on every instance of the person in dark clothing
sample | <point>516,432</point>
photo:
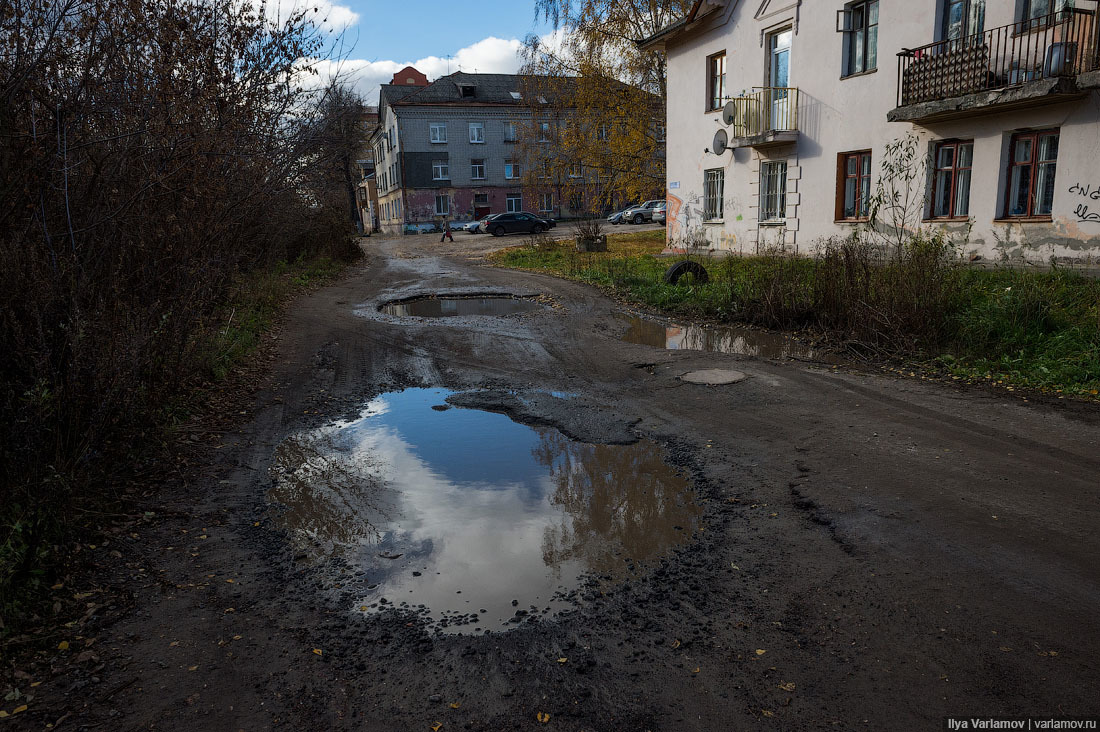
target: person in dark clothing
<point>446,231</point>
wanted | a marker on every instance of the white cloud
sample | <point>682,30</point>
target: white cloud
<point>324,13</point>
<point>488,56</point>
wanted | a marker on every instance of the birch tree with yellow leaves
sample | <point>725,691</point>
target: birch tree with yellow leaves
<point>597,125</point>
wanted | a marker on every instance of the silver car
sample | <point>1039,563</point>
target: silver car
<point>659,212</point>
<point>643,213</point>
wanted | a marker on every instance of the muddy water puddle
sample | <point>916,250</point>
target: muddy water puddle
<point>716,339</point>
<point>453,307</point>
<point>472,520</point>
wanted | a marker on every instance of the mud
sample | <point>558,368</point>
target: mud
<point>870,552</point>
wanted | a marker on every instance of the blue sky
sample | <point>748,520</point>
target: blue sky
<point>436,36</point>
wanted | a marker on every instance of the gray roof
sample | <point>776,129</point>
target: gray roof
<point>488,89</point>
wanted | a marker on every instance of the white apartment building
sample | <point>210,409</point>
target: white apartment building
<point>780,114</point>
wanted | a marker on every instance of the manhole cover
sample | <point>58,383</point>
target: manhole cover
<point>714,377</point>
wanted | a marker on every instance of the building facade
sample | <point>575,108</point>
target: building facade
<point>449,149</point>
<point>790,121</point>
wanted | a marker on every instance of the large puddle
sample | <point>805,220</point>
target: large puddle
<point>716,339</point>
<point>472,519</point>
<point>451,307</point>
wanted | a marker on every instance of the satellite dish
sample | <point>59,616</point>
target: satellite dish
<point>720,140</point>
<point>729,113</point>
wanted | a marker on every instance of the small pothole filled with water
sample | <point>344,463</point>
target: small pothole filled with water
<point>470,519</point>
<point>451,307</point>
<point>716,339</point>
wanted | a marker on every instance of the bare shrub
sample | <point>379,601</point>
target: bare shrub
<point>590,228</point>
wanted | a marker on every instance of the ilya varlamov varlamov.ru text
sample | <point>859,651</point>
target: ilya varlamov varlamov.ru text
<point>1025,724</point>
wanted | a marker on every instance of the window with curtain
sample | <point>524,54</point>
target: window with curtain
<point>1032,164</point>
<point>951,182</point>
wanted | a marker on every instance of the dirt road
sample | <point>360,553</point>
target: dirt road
<point>872,553</point>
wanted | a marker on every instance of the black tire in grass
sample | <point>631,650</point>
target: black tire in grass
<point>686,267</point>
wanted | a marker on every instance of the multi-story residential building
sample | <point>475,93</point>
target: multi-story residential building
<point>366,191</point>
<point>449,149</point>
<point>782,115</point>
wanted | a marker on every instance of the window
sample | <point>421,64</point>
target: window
<point>468,90</point>
<point>441,170</point>
<point>659,132</point>
<point>438,131</point>
<point>544,169</point>
<point>603,133</point>
<point>544,132</point>
<point>951,182</point>
<point>509,131</point>
<point>1032,161</point>
<point>861,37</point>
<point>963,18</point>
<point>513,203</point>
<point>853,186</point>
<point>398,205</point>
<point>442,205</point>
<point>576,171</point>
<point>576,201</point>
<point>546,202</point>
<point>512,170</point>
<point>1038,12</point>
<point>481,199</point>
<point>716,80</point>
<point>477,132</point>
<point>714,183</point>
<point>477,169</point>
<point>773,191</point>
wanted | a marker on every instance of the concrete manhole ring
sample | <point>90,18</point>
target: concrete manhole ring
<point>714,377</point>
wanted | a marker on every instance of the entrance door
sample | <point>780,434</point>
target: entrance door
<point>779,46</point>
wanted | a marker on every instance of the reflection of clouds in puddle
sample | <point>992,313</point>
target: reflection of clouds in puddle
<point>484,509</point>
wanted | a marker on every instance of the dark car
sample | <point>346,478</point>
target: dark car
<point>517,223</point>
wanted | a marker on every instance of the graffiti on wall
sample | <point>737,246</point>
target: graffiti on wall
<point>685,220</point>
<point>1089,192</point>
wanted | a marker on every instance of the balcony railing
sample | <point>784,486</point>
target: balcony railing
<point>1061,44</point>
<point>766,110</point>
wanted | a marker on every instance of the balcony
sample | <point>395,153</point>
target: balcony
<point>1028,63</point>
<point>766,117</point>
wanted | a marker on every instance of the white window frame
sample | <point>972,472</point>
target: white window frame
<point>441,170</point>
<point>544,200</point>
<point>475,164</point>
<point>773,192</point>
<point>576,170</point>
<point>714,184</point>
<point>512,170</point>
<point>437,132</point>
<point>479,129</point>
<point>509,131</point>
<point>445,208</point>
<point>544,132</point>
<point>513,203</point>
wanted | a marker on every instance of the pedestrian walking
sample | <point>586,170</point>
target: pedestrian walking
<point>446,231</point>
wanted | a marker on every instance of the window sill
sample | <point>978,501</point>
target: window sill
<point>868,72</point>
<point>477,142</point>
<point>773,222</point>
<point>1024,220</point>
<point>946,220</point>
<point>851,221</point>
<point>714,221</point>
<point>439,142</point>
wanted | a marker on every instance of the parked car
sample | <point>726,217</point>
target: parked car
<point>475,227</point>
<point>641,214</point>
<point>659,212</point>
<point>517,223</point>
<point>617,218</point>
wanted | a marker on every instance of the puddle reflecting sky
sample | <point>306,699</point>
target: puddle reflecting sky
<point>715,339</point>
<point>444,307</point>
<point>484,510</point>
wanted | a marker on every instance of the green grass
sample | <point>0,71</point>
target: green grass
<point>1035,330</point>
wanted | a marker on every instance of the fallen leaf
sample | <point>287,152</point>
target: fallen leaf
<point>437,726</point>
<point>193,668</point>
<point>363,608</point>
<point>36,683</point>
<point>676,644</point>
<point>542,717</point>
<point>63,646</point>
<point>19,709</point>
<point>455,705</point>
<point>766,713</point>
<point>562,660</point>
<point>696,670</point>
<point>318,652</point>
<point>3,714</point>
<point>231,581</point>
<point>256,523</point>
<point>236,637</point>
<point>760,651</point>
<point>789,686</point>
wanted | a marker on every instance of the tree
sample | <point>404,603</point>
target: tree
<point>602,96</point>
